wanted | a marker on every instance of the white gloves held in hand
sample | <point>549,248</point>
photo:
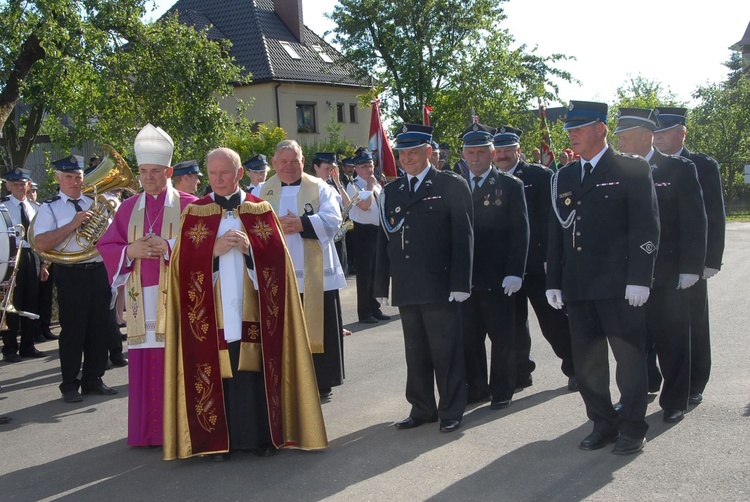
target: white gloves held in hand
<point>511,284</point>
<point>687,280</point>
<point>554,298</point>
<point>458,296</point>
<point>709,272</point>
<point>636,295</point>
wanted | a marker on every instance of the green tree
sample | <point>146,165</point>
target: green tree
<point>451,54</point>
<point>43,46</point>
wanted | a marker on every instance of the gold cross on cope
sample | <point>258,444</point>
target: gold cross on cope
<point>262,230</point>
<point>198,233</point>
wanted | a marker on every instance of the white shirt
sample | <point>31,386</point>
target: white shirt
<point>371,216</point>
<point>13,206</point>
<point>58,213</point>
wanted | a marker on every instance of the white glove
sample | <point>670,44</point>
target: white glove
<point>512,284</point>
<point>687,280</point>
<point>636,295</point>
<point>554,298</point>
<point>382,301</point>
<point>458,296</point>
<point>709,272</point>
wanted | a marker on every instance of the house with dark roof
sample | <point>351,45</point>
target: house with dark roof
<point>744,46</point>
<point>299,81</point>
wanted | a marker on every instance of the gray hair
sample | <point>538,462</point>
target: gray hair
<point>288,144</point>
<point>230,154</point>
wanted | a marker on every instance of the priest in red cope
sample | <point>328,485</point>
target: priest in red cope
<point>239,373</point>
<point>136,254</point>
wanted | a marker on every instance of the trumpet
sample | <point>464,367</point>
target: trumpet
<point>346,222</point>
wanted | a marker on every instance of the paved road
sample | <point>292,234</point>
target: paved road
<point>57,451</point>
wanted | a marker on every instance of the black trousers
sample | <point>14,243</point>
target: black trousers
<point>364,241</point>
<point>246,407</point>
<point>83,297</point>
<point>489,313</point>
<point>700,337</point>
<point>593,324</point>
<point>46,293</point>
<point>25,297</point>
<point>329,365</point>
<point>668,328</point>
<point>552,322</point>
<point>434,354</point>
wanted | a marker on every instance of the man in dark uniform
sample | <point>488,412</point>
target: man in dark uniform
<point>427,250</point>
<point>669,139</point>
<point>501,240</point>
<point>603,239</point>
<point>679,264</point>
<point>366,217</point>
<point>553,322</point>
<point>83,288</point>
<point>25,296</point>
<point>186,176</point>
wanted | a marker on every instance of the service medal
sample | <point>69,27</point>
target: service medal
<point>486,203</point>
<point>498,202</point>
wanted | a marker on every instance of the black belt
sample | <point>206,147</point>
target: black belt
<point>82,266</point>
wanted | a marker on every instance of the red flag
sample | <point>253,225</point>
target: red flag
<point>547,156</point>
<point>379,144</point>
<point>426,112</point>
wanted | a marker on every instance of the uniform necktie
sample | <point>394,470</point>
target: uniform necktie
<point>476,180</point>
<point>587,167</point>
<point>75,203</point>
<point>413,184</point>
<point>24,216</point>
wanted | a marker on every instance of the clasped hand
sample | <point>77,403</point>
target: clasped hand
<point>232,239</point>
<point>290,223</point>
<point>149,247</point>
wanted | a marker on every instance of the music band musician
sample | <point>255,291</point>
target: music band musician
<point>82,288</point>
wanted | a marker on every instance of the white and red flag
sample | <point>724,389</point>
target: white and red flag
<point>379,144</point>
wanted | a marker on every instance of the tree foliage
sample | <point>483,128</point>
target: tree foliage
<point>451,54</point>
<point>105,74</point>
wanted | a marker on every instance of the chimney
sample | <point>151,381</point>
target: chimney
<point>290,13</point>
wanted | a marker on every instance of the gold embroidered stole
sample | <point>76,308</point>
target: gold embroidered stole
<point>134,315</point>
<point>313,269</point>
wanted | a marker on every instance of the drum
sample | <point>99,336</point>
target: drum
<point>8,248</point>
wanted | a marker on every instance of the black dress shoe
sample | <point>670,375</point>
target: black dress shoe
<point>596,440</point>
<point>12,358</point>
<point>4,420</point>
<point>48,335</point>
<point>325,393</point>
<point>369,320</point>
<point>381,316</point>
<point>264,451</point>
<point>219,457</point>
<point>627,445</point>
<point>449,425</point>
<point>119,362</point>
<point>572,384</point>
<point>72,396</point>
<point>500,405</point>
<point>412,422</point>
<point>695,398</point>
<point>98,388</point>
<point>33,353</point>
<point>523,382</point>
<point>673,416</point>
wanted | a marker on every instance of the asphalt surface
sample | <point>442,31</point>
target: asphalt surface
<point>57,451</point>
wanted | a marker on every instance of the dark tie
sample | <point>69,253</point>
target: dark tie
<point>231,203</point>
<point>477,179</point>
<point>413,184</point>
<point>587,167</point>
<point>24,217</point>
<point>75,203</point>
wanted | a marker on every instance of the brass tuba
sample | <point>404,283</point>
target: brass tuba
<point>112,173</point>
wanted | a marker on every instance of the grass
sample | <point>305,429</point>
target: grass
<point>739,216</point>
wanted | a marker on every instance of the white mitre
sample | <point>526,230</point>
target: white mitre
<point>153,146</point>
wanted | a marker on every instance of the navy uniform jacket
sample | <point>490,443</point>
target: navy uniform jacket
<point>536,187</point>
<point>613,235</point>
<point>431,254</point>
<point>682,244</point>
<point>501,231</point>
<point>713,199</point>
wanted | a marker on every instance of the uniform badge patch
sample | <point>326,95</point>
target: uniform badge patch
<point>648,247</point>
<point>397,210</point>
<point>568,201</point>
